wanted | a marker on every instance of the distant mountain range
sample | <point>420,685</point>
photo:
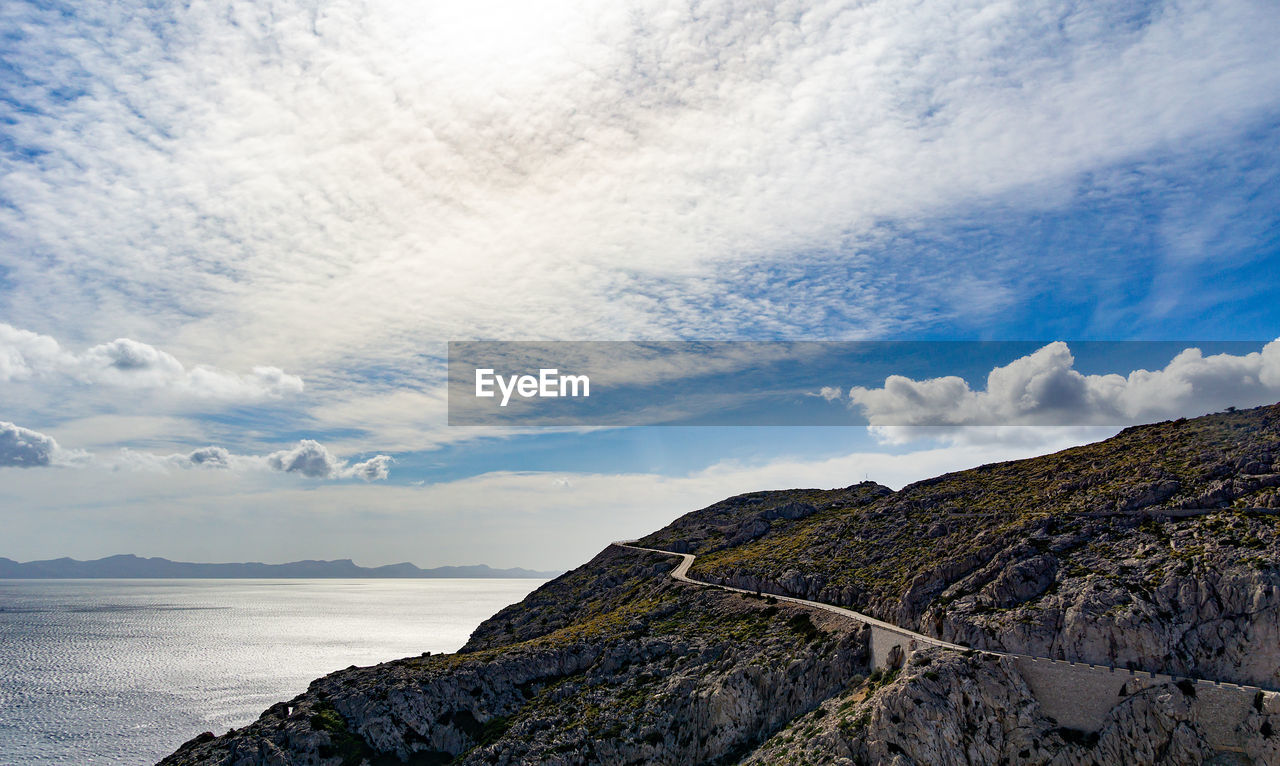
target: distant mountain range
<point>128,565</point>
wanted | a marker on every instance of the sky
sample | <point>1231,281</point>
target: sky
<point>236,239</point>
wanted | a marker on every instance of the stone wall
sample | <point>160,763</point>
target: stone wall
<point>1079,696</point>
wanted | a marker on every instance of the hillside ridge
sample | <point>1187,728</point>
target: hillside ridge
<point>1156,552</point>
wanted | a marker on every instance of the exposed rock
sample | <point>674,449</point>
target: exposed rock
<point>944,709</point>
<point>696,676</point>
<point>1157,550</point>
<point>1113,553</point>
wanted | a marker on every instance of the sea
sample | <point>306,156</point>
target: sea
<point>125,671</point>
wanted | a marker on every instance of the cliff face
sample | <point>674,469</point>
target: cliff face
<point>947,709</point>
<point>648,672</point>
<point>1158,549</point>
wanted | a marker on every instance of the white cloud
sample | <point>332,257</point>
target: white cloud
<point>336,189</point>
<point>125,363</point>
<point>539,519</point>
<point>298,180</point>
<point>215,458</point>
<point>139,430</point>
<point>23,448</point>
<point>309,458</point>
<point>210,457</point>
<point>1027,437</point>
<point>313,460</point>
<point>1044,388</point>
<point>375,468</point>
<point>25,354</point>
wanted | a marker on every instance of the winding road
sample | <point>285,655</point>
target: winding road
<point>681,573</point>
<point>1077,694</point>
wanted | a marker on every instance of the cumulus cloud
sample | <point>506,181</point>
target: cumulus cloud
<point>528,518</point>
<point>309,458</point>
<point>210,457</point>
<point>1044,388</point>
<point>312,459</point>
<point>126,363</point>
<point>25,354</point>
<point>375,468</point>
<point>23,448</point>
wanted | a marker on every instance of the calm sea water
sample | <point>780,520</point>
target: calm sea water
<point>124,671</point>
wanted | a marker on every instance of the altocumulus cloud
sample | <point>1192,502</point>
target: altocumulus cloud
<point>1044,388</point>
<point>635,159</point>
<point>125,363</point>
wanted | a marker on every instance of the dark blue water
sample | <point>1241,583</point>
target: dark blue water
<point>124,671</point>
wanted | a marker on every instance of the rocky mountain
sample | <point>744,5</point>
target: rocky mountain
<point>1155,549</point>
<point>128,565</point>
<point>1158,549</point>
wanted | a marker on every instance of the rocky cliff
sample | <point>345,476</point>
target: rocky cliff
<point>949,709</point>
<point>1158,549</point>
<point>647,672</point>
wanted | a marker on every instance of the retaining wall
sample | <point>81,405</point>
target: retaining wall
<point>1077,695</point>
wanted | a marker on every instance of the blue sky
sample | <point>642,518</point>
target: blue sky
<point>252,228</point>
